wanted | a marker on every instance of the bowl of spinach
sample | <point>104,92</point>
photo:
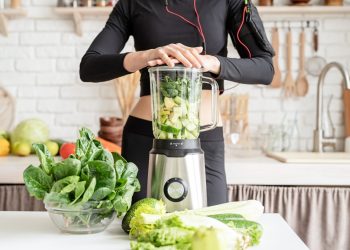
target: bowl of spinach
<point>84,192</point>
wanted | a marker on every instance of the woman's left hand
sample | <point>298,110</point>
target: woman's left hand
<point>209,63</point>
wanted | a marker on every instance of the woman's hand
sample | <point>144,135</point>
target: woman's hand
<point>175,53</point>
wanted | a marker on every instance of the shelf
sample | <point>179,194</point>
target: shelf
<point>6,14</point>
<point>78,12</point>
<point>267,12</point>
<point>281,12</point>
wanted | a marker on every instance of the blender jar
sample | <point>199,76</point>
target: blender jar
<point>176,96</point>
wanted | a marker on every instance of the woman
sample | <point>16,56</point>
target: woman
<point>178,31</point>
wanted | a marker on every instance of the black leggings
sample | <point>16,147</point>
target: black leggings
<point>137,142</point>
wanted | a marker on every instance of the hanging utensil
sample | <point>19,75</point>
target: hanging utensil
<point>277,78</point>
<point>302,85</point>
<point>316,63</point>
<point>289,85</point>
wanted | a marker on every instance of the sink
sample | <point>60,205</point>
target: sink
<point>310,157</point>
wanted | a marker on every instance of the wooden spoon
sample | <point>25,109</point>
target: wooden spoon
<point>302,85</point>
<point>289,86</point>
<point>277,78</point>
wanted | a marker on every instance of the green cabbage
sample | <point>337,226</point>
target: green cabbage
<point>30,131</point>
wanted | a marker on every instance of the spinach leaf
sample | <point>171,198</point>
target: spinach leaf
<point>59,185</point>
<point>122,201</point>
<point>85,173</point>
<point>119,168</point>
<point>45,157</point>
<point>59,198</point>
<point>89,191</point>
<point>37,182</point>
<point>79,190</point>
<point>102,155</point>
<point>86,145</point>
<point>69,188</point>
<point>68,167</point>
<point>117,157</point>
<point>104,174</point>
<point>130,173</point>
<point>101,193</point>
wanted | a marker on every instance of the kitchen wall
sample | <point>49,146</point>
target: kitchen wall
<point>39,63</point>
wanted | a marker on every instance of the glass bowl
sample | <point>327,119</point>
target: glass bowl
<point>91,217</point>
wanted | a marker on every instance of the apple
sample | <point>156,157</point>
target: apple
<point>52,147</point>
<point>67,149</point>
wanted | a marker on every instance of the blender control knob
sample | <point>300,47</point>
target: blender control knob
<point>175,189</point>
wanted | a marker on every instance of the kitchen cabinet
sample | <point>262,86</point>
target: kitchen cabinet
<point>313,198</point>
<point>36,231</point>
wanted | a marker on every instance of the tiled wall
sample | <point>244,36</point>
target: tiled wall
<point>39,63</point>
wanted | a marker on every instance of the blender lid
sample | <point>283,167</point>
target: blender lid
<point>175,68</point>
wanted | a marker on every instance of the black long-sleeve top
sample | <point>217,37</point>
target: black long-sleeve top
<point>151,26</point>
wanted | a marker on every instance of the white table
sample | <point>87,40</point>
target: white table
<point>34,230</point>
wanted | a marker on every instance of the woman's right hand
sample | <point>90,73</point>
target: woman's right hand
<point>175,53</point>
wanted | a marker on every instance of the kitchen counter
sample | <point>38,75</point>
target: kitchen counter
<point>34,230</point>
<point>249,168</point>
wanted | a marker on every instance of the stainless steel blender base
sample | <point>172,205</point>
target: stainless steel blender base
<point>179,181</point>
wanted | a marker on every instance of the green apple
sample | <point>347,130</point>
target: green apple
<point>53,147</point>
<point>21,148</point>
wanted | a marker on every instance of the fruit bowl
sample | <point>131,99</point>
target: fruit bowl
<point>92,217</point>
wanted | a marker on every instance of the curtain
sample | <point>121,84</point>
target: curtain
<point>16,198</point>
<point>319,215</point>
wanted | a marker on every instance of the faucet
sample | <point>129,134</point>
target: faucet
<point>319,139</point>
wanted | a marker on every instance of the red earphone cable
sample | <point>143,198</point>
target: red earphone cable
<point>198,20</point>
<point>198,27</point>
<point>239,31</point>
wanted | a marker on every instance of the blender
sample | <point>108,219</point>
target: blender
<point>176,164</point>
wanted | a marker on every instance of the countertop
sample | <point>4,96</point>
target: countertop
<point>251,168</point>
<point>34,230</point>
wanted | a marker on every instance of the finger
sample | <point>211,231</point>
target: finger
<point>197,49</point>
<point>152,63</point>
<point>190,53</point>
<point>165,58</point>
<point>176,53</point>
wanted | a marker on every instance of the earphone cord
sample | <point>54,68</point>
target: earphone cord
<point>198,27</point>
<point>239,40</point>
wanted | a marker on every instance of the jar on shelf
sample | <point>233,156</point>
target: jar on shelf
<point>101,3</point>
<point>15,4</point>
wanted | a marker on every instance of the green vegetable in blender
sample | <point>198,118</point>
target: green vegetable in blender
<point>92,175</point>
<point>178,116</point>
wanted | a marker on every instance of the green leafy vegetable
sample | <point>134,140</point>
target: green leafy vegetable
<point>89,191</point>
<point>56,198</point>
<point>67,167</point>
<point>60,184</point>
<point>104,174</point>
<point>179,106</point>
<point>45,157</point>
<point>89,179</point>
<point>188,232</point>
<point>38,183</point>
